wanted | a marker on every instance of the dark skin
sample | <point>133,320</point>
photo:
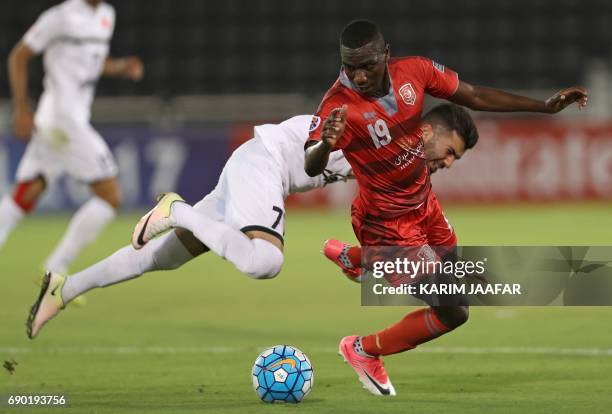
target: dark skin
<point>366,68</point>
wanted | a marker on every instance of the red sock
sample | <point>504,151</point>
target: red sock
<point>416,327</point>
<point>354,255</point>
<point>19,196</point>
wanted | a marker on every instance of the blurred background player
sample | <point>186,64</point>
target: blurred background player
<point>74,38</point>
<point>241,220</point>
<point>374,111</point>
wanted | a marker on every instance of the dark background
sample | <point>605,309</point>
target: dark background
<point>287,46</point>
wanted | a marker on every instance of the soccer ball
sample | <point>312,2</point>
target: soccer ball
<point>282,374</point>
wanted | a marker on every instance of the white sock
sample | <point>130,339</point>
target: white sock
<point>164,253</point>
<point>10,215</point>
<point>85,226</point>
<point>256,258</point>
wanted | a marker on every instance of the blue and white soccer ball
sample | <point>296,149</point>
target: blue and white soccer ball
<point>282,374</point>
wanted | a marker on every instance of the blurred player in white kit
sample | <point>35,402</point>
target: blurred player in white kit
<point>74,38</point>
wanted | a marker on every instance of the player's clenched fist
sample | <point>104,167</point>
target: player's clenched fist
<point>334,124</point>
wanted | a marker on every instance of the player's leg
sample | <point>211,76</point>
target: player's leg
<point>86,224</point>
<point>364,352</point>
<point>246,223</point>
<point>255,253</point>
<point>13,208</point>
<point>369,366</point>
<point>440,233</point>
<point>88,159</point>
<point>33,174</point>
<point>167,252</point>
<point>345,256</point>
<point>251,233</point>
<point>417,327</point>
<point>423,325</point>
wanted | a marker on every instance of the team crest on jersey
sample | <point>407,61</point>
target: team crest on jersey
<point>314,124</point>
<point>438,66</point>
<point>407,94</point>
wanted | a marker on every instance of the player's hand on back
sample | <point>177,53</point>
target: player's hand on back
<point>333,127</point>
<point>566,97</point>
<point>23,123</point>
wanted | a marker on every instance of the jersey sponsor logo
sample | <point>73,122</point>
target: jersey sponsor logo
<point>105,22</point>
<point>314,124</point>
<point>409,155</point>
<point>407,94</point>
<point>438,66</point>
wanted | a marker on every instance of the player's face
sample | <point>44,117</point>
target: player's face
<point>443,148</point>
<point>366,67</point>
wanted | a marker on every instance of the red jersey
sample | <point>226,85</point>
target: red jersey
<point>383,140</point>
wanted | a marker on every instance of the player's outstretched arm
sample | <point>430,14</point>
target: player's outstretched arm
<point>317,155</point>
<point>18,80</point>
<point>130,67</point>
<point>481,98</point>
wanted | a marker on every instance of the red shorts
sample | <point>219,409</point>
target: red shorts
<point>425,225</point>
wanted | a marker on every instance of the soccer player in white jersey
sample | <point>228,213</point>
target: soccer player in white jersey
<point>241,220</point>
<point>74,38</point>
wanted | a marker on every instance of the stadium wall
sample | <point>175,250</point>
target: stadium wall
<point>516,160</point>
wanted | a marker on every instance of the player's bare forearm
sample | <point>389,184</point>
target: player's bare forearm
<point>130,67</point>
<point>23,120</point>
<point>18,75</point>
<point>316,158</point>
<point>332,129</point>
<point>481,98</point>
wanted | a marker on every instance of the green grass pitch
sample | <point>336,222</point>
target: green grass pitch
<point>184,341</point>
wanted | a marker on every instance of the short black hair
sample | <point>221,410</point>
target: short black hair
<point>454,118</point>
<point>360,32</point>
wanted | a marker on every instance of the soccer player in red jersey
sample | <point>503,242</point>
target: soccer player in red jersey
<point>372,114</point>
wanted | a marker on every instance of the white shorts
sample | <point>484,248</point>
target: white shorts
<point>249,195</point>
<point>76,149</point>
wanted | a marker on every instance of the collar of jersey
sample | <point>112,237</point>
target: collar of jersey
<point>388,102</point>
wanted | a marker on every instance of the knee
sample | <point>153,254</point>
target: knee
<point>452,316</point>
<point>108,190</point>
<point>113,199</point>
<point>266,262</point>
<point>263,272</point>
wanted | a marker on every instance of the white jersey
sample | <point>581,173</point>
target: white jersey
<point>251,191</point>
<point>74,37</point>
<point>285,142</point>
